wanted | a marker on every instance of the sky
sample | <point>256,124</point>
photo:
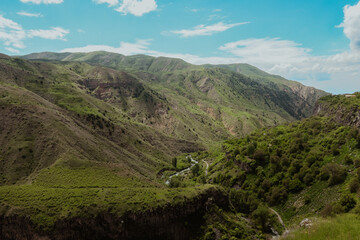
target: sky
<point>315,42</point>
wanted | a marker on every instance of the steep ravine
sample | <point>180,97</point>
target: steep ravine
<point>177,222</point>
<point>347,113</point>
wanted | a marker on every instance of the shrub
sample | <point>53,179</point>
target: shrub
<point>175,182</point>
<point>278,195</point>
<point>334,173</point>
<point>332,209</point>
<point>242,201</point>
<point>260,156</point>
<point>262,218</point>
<point>295,185</point>
<point>308,179</point>
<point>354,185</point>
<point>174,162</point>
<point>195,170</point>
<point>348,202</point>
<point>251,149</point>
<point>357,163</point>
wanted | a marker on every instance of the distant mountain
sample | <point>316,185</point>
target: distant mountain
<point>239,98</point>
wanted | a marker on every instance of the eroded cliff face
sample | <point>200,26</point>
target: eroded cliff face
<point>341,113</point>
<point>177,222</point>
<point>308,97</point>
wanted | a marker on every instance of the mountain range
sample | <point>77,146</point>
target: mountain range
<point>94,136</point>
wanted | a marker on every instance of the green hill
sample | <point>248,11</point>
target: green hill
<point>234,103</point>
<point>88,141</point>
<point>308,168</point>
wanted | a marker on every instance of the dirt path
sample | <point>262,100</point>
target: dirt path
<point>281,222</point>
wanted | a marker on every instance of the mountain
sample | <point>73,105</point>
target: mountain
<point>88,141</point>
<point>234,99</point>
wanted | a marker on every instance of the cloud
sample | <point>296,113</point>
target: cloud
<point>134,7</point>
<point>111,3</point>
<point>53,33</point>
<point>125,48</point>
<point>13,35</point>
<point>137,7</point>
<point>43,1</point>
<point>267,50</point>
<point>351,25</point>
<point>202,30</point>
<point>12,50</point>
<point>7,23</point>
<point>26,14</point>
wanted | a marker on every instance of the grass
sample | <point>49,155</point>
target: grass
<point>296,209</point>
<point>84,177</point>
<point>45,205</point>
<point>339,228</point>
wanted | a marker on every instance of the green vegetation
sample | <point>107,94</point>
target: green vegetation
<point>86,134</point>
<point>47,205</point>
<point>341,227</point>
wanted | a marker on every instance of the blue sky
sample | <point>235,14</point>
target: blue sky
<point>315,42</point>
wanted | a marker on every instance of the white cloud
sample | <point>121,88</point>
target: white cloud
<point>202,30</point>
<point>13,35</point>
<point>134,7</point>
<point>111,3</point>
<point>267,51</point>
<point>12,50</point>
<point>53,33</point>
<point>7,23</point>
<point>42,1</point>
<point>26,14</point>
<point>125,48</point>
<point>137,7</point>
<point>351,25</point>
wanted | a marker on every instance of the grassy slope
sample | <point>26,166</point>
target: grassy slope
<point>338,228</point>
<point>230,103</point>
<point>70,153</point>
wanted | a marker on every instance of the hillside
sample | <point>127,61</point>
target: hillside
<point>87,146</point>
<point>233,103</point>
<point>308,168</point>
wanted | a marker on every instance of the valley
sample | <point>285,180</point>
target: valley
<point>107,146</point>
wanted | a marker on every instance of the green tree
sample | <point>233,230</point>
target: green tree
<point>174,162</point>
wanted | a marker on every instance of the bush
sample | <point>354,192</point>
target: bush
<point>348,202</point>
<point>334,173</point>
<point>175,182</point>
<point>295,185</point>
<point>308,179</point>
<point>195,170</point>
<point>242,201</point>
<point>354,185</point>
<point>262,218</point>
<point>332,209</point>
<point>260,156</point>
<point>174,162</point>
<point>278,195</point>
